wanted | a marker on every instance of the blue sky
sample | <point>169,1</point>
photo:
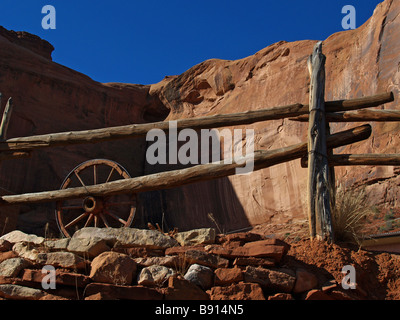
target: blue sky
<point>142,41</point>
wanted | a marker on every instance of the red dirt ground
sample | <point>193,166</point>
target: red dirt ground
<point>377,274</point>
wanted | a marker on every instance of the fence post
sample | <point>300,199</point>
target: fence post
<point>5,119</point>
<point>318,188</point>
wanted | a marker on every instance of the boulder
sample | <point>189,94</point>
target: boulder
<point>238,291</point>
<point>127,237</point>
<point>251,261</point>
<point>261,249</point>
<point>305,281</point>
<point>182,289</point>
<point>196,236</point>
<point>112,267</point>
<point>271,249</point>
<point>155,275</point>
<point>152,239</point>
<point>88,247</point>
<point>205,259</point>
<point>140,252</point>
<point>17,292</point>
<point>26,251</point>
<point>200,275</point>
<point>183,249</point>
<point>107,234</point>
<point>56,244</point>
<point>63,278</point>
<point>281,280</point>
<point>227,276</point>
<point>167,261</point>
<point>19,236</point>
<point>62,259</point>
<point>13,267</point>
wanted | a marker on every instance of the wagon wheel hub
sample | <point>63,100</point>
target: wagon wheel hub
<point>93,205</point>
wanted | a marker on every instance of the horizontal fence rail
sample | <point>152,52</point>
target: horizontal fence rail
<point>25,144</point>
<point>175,178</point>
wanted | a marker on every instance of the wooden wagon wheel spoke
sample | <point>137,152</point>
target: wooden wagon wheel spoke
<point>94,174</point>
<point>76,220</point>
<point>96,221</point>
<point>97,171</point>
<point>103,218</point>
<point>89,220</point>
<point>79,178</point>
<point>109,176</point>
<point>115,217</point>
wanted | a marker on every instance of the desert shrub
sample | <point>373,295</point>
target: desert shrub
<point>350,209</point>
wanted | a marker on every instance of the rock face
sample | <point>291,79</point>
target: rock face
<point>51,98</point>
<point>359,63</point>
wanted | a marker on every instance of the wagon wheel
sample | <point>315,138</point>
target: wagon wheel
<point>106,211</point>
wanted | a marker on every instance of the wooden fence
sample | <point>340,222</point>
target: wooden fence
<point>316,153</point>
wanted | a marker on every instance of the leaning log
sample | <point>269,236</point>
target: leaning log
<point>215,121</point>
<point>360,160</point>
<point>176,178</point>
<point>357,116</point>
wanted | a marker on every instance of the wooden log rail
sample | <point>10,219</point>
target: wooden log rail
<point>171,179</point>
<point>25,144</point>
<point>359,160</point>
<point>357,116</point>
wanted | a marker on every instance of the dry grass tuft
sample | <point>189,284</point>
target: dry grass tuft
<point>349,213</point>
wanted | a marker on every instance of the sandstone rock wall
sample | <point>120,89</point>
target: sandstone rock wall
<point>359,63</point>
<point>49,98</point>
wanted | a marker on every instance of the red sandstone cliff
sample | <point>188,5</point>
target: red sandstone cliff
<point>52,98</point>
<point>48,98</point>
<point>359,63</point>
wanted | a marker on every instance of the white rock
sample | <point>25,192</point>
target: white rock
<point>24,250</point>
<point>155,275</point>
<point>167,261</point>
<point>56,244</point>
<point>62,259</point>
<point>128,237</point>
<point>16,292</point>
<point>12,267</point>
<point>88,247</point>
<point>200,275</point>
<point>196,236</point>
<point>19,236</point>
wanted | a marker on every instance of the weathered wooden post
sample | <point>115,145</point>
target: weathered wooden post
<point>6,119</point>
<point>319,212</point>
